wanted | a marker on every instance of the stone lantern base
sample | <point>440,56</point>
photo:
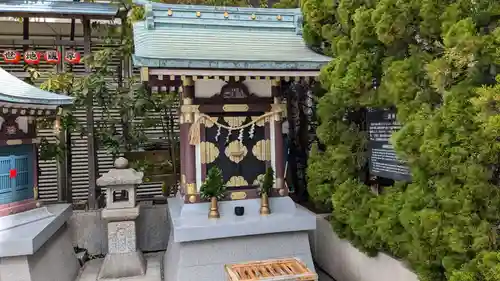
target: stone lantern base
<point>123,265</point>
<point>123,258</point>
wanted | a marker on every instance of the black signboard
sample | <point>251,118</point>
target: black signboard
<point>383,160</point>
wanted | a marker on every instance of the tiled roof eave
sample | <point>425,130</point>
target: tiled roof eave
<point>227,64</point>
<point>58,8</point>
<point>21,101</point>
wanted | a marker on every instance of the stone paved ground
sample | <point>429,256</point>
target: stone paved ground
<point>91,270</point>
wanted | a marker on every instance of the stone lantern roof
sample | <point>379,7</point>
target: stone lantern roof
<point>121,175</point>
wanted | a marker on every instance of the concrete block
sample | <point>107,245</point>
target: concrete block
<point>153,228</point>
<point>27,238</point>
<point>15,269</point>
<point>205,260</point>
<point>55,260</point>
<point>89,230</point>
<point>121,237</point>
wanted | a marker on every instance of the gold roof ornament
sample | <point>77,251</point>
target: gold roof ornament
<point>170,12</point>
<point>253,16</point>
<point>198,14</point>
<point>278,17</point>
<point>226,15</point>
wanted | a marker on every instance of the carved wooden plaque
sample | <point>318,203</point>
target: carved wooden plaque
<point>234,90</point>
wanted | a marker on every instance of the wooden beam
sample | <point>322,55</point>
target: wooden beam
<point>61,164</point>
<point>26,32</point>
<point>91,147</point>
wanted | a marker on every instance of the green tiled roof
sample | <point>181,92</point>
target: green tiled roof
<point>186,36</point>
<point>16,91</point>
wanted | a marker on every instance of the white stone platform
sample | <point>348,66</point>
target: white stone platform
<point>24,233</point>
<point>199,247</point>
<point>90,270</point>
<point>36,246</point>
<point>189,222</point>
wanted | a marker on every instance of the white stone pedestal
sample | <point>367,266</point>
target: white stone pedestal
<point>36,246</point>
<point>199,247</point>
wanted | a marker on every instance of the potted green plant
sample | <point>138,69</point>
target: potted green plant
<point>213,189</point>
<point>266,183</point>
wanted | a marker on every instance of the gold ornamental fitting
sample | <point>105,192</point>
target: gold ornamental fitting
<point>191,188</point>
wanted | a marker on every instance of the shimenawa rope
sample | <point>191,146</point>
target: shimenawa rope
<point>194,132</point>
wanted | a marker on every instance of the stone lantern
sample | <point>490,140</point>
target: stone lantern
<point>123,258</point>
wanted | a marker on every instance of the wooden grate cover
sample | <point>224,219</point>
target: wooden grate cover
<point>271,270</point>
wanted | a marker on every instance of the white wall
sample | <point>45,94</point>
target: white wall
<point>344,262</point>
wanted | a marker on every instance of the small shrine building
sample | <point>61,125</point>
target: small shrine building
<point>230,64</point>
<point>20,105</point>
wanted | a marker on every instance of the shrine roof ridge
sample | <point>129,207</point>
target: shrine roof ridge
<point>158,15</point>
<point>20,92</point>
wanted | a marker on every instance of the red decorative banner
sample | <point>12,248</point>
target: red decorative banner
<point>72,57</point>
<point>11,56</point>
<point>32,57</point>
<point>52,56</point>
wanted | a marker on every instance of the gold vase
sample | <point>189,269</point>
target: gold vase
<point>214,209</point>
<point>264,204</point>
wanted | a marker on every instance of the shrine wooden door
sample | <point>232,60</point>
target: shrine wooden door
<point>242,155</point>
<point>5,180</point>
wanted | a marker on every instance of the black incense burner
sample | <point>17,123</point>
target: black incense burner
<point>239,211</point>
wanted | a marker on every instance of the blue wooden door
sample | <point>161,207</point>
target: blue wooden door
<point>6,192</point>
<point>23,181</point>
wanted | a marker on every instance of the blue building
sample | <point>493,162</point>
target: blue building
<point>20,105</point>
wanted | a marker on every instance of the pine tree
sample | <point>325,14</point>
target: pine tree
<point>436,62</point>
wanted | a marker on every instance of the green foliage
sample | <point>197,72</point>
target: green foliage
<point>106,87</point>
<point>140,109</point>
<point>268,182</point>
<point>485,267</point>
<point>213,185</point>
<point>283,4</point>
<point>435,62</point>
